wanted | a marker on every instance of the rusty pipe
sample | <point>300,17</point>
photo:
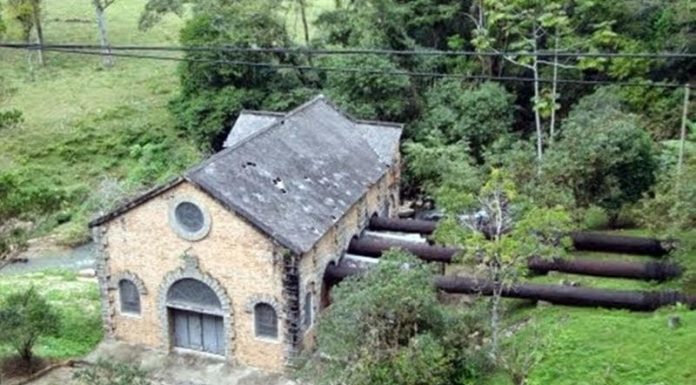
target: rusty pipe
<point>374,247</point>
<point>619,269</point>
<point>404,225</point>
<point>556,294</point>
<point>582,240</point>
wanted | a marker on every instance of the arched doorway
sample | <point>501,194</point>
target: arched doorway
<point>196,317</point>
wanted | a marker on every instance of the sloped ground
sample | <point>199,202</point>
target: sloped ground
<point>578,346</point>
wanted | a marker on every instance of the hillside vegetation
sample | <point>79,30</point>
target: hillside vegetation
<point>84,126</point>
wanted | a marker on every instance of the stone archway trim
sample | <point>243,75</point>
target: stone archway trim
<point>192,270</point>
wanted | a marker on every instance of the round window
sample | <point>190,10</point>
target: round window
<point>189,217</point>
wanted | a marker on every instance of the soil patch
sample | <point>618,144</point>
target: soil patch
<point>14,366</point>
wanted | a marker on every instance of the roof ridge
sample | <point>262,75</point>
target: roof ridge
<point>262,112</point>
<point>254,135</point>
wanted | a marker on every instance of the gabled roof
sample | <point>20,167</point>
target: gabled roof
<point>250,122</point>
<point>295,178</point>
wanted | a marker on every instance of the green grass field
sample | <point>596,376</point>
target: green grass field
<point>604,347</point>
<point>78,305</point>
<point>84,123</point>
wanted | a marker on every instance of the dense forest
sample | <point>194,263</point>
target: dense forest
<point>577,111</point>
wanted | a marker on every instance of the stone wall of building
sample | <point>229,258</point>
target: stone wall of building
<point>378,200</point>
<point>237,260</point>
<point>241,264</point>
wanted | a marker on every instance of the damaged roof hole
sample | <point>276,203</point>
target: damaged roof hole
<point>333,217</point>
<point>252,164</point>
<point>279,184</point>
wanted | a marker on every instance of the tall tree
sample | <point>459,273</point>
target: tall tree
<point>501,236</point>
<point>520,25</point>
<point>100,7</point>
<point>28,14</point>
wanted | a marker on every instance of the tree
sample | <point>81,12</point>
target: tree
<point>373,96</point>
<point>100,7</point>
<point>477,115</point>
<point>28,14</point>
<point>522,25</point>
<point>498,232</point>
<point>24,318</point>
<point>603,156</point>
<point>155,9</point>
<point>212,94</point>
<point>387,327</point>
<point>431,165</point>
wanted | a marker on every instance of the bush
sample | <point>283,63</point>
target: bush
<point>388,327</point>
<point>432,165</point>
<point>595,218</point>
<point>24,317</point>
<point>369,96</point>
<point>212,94</point>
<point>477,115</point>
<point>603,156</point>
<point>111,373</point>
<point>11,118</point>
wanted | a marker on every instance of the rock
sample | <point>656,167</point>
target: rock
<point>87,273</point>
<point>674,321</point>
<point>543,304</point>
<point>405,212</point>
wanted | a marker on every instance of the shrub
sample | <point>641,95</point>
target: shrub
<point>24,318</point>
<point>595,218</point>
<point>111,373</point>
<point>388,327</point>
<point>603,156</point>
<point>477,115</point>
<point>369,96</point>
<point>432,165</point>
<point>11,118</point>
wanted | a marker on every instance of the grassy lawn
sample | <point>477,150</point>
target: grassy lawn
<point>606,347</point>
<point>78,304</point>
<point>84,123</point>
<point>594,346</point>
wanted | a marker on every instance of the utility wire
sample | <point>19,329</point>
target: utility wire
<point>361,70</point>
<point>359,51</point>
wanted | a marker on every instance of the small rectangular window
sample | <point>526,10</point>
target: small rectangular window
<point>307,320</point>
<point>130,298</point>
<point>266,321</point>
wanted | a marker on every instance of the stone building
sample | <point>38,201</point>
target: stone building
<point>228,259</point>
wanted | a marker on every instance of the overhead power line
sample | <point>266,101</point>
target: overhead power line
<point>364,71</point>
<point>361,51</point>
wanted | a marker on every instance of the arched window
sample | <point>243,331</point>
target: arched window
<point>130,298</point>
<point>308,316</point>
<point>265,321</point>
<point>192,294</point>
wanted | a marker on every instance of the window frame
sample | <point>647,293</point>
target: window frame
<point>123,305</point>
<point>257,321</point>
<point>179,229</point>
<point>308,311</point>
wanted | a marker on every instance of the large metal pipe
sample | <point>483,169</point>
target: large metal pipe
<point>593,241</point>
<point>556,294</point>
<point>405,225</point>
<point>582,240</point>
<point>374,247</point>
<point>658,271</point>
